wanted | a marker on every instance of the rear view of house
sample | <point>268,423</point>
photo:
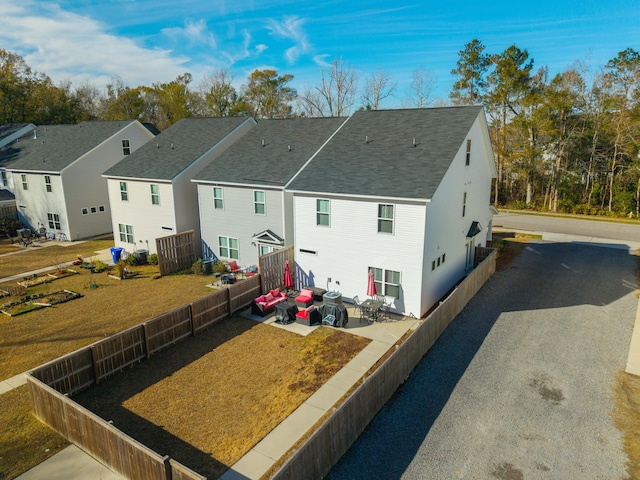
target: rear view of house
<point>56,174</point>
<point>150,192</point>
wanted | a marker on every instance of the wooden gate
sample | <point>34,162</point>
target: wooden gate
<point>176,252</point>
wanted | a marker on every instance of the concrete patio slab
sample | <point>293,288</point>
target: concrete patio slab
<point>327,396</point>
<point>70,464</point>
<point>252,465</point>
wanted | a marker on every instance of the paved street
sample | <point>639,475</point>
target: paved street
<point>568,225</point>
<point>520,385</point>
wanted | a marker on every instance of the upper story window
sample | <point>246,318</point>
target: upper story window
<point>124,195</point>
<point>468,159</point>
<point>323,212</point>
<point>155,194</point>
<point>4,180</point>
<point>126,147</point>
<point>259,202</point>
<point>218,198</point>
<point>47,182</point>
<point>25,184</point>
<point>464,203</point>
<point>385,218</point>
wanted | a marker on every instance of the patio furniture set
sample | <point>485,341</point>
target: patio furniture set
<point>375,309</point>
<point>300,307</point>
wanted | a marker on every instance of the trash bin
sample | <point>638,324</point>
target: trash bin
<point>141,256</point>
<point>115,253</point>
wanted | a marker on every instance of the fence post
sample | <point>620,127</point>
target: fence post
<point>96,375</point>
<point>167,467</point>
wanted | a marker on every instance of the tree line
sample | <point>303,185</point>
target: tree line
<point>567,143</point>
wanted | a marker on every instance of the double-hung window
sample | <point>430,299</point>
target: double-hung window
<point>126,147</point>
<point>126,233</point>
<point>5,182</point>
<point>259,202</point>
<point>323,212</point>
<point>47,182</point>
<point>229,247</point>
<point>155,194</point>
<point>54,221</point>
<point>385,218</point>
<point>387,282</point>
<point>124,195</point>
<point>25,184</point>
<point>218,198</point>
<point>468,158</point>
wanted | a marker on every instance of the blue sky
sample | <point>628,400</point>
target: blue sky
<point>146,41</point>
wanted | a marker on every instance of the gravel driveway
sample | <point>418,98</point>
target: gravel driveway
<point>520,385</point>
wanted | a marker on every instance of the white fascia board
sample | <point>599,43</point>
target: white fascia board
<point>416,201</point>
<point>260,186</point>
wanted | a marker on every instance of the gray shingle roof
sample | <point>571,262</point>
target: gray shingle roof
<point>190,138</point>
<point>8,129</point>
<point>389,165</point>
<point>249,162</point>
<point>57,146</point>
<point>6,195</point>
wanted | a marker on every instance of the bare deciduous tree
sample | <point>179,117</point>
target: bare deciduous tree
<point>336,93</point>
<point>218,95</point>
<point>421,88</point>
<point>377,87</point>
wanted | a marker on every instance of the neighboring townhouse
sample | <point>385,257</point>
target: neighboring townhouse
<point>57,174</point>
<point>403,192</point>
<point>8,134</point>
<point>245,210</point>
<point>151,193</point>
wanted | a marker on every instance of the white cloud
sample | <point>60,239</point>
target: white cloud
<point>321,60</point>
<point>291,28</point>
<point>67,46</point>
<point>196,34</point>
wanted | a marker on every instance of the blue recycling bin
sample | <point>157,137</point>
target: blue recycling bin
<point>115,254</point>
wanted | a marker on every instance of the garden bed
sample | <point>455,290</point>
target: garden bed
<point>36,302</point>
<point>48,277</point>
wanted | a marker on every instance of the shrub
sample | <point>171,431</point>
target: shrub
<point>131,260</point>
<point>220,267</point>
<point>197,267</point>
<point>100,266</point>
<point>121,267</point>
<point>152,259</point>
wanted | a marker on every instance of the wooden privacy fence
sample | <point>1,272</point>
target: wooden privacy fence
<point>272,267</point>
<point>52,383</point>
<point>8,211</point>
<point>323,449</point>
<point>176,252</point>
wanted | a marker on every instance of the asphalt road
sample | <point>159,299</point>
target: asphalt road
<point>520,385</point>
<point>568,225</point>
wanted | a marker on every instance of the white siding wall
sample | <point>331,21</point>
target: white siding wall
<point>351,244</point>
<point>446,227</point>
<point>84,185</point>
<point>149,221</point>
<point>34,203</point>
<point>237,219</point>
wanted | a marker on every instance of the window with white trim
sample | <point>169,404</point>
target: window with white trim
<point>85,211</point>
<point>155,194</point>
<point>126,147</point>
<point>124,195</point>
<point>385,218</point>
<point>25,184</point>
<point>323,212</point>
<point>387,281</point>
<point>218,198</point>
<point>94,210</point>
<point>54,221</point>
<point>228,247</point>
<point>259,207</point>
<point>101,209</point>
<point>126,233</point>
<point>468,158</point>
<point>47,183</point>
<point>5,181</point>
<point>264,249</point>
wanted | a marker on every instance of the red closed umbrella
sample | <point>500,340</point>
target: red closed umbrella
<point>371,284</point>
<point>287,281</point>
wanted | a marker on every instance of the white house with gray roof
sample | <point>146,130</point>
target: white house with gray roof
<point>8,134</point>
<point>151,193</point>
<point>245,210</point>
<point>57,170</point>
<point>403,192</point>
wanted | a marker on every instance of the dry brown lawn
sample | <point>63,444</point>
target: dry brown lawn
<point>209,400</point>
<point>45,254</point>
<point>627,419</point>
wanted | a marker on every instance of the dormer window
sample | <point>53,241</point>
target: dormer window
<point>126,147</point>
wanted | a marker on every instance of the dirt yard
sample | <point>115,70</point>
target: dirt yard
<point>209,400</point>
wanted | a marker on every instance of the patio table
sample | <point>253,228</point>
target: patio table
<point>370,308</point>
